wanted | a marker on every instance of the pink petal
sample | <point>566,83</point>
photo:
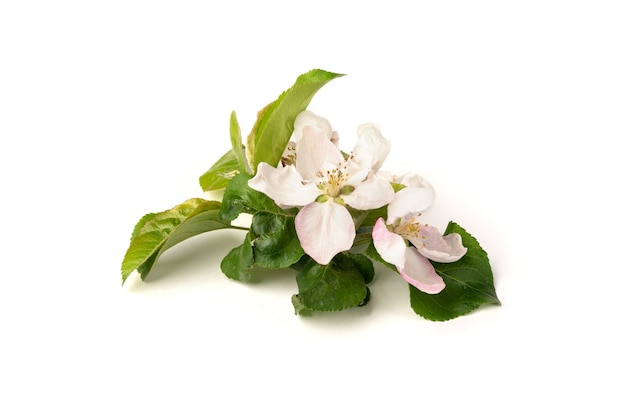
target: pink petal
<point>373,193</point>
<point>284,185</point>
<point>315,153</point>
<point>390,246</point>
<point>324,229</point>
<point>408,201</point>
<point>420,273</point>
<point>446,249</point>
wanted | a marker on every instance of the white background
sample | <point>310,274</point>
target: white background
<point>515,111</point>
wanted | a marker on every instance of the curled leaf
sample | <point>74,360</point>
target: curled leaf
<point>157,232</point>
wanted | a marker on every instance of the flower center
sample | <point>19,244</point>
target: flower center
<point>332,181</point>
<point>289,156</point>
<point>409,228</point>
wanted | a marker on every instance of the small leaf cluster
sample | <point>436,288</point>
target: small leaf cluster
<point>271,241</point>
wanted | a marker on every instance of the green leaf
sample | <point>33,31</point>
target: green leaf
<point>236,143</point>
<point>156,232</point>
<point>239,261</point>
<point>218,176</point>
<point>298,307</point>
<point>273,237</point>
<point>147,217</point>
<point>333,287</point>
<point>469,283</point>
<point>250,144</point>
<point>274,126</point>
<point>239,198</point>
<point>362,264</point>
<point>230,164</point>
<point>276,244</point>
<point>364,221</point>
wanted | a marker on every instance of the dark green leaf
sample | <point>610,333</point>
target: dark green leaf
<point>271,133</point>
<point>368,218</point>
<point>155,233</point>
<point>276,244</point>
<point>469,283</point>
<point>362,264</point>
<point>333,287</point>
<point>239,261</point>
<point>218,176</point>
<point>240,198</point>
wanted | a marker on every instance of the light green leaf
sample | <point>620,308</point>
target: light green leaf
<point>237,143</point>
<point>298,307</point>
<point>230,164</point>
<point>157,232</point>
<point>469,283</point>
<point>274,125</point>
<point>145,218</point>
<point>250,140</point>
<point>218,176</point>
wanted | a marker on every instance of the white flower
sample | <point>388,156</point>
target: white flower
<point>323,182</point>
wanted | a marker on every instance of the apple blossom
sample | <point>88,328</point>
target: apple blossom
<point>390,240</point>
<point>323,182</point>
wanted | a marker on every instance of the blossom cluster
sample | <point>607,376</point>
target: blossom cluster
<point>328,187</point>
<point>325,213</point>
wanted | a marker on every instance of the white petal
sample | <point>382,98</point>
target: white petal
<point>356,172</point>
<point>420,273</point>
<point>284,185</point>
<point>315,153</point>
<point>308,118</point>
<point>334,138</point>
<point>415,180</point>
<point>391,177</point>
<point>373,193</point>
<point>324,229</point>
<point>446,249</point>
<point>410,200</point>
<point>371,145</point>
<point>390,246</point>
<point>408,179</point>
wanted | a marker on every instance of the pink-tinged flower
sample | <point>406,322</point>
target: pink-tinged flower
<point>428,244</point>
<point>323,182</point>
